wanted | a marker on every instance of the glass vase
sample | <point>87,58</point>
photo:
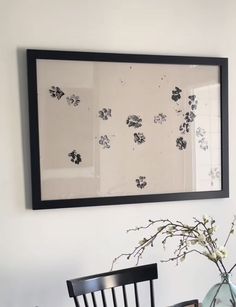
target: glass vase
<point>222,294</point>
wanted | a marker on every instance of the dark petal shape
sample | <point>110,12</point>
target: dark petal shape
<point>178,89</point>
<point>192,97</point>
<point>174,97</point>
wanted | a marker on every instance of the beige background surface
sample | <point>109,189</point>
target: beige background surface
<point>127,89</point>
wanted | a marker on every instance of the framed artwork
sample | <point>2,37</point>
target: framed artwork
<point>111,128</point>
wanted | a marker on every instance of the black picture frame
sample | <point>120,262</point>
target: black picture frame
<point>33,56</point>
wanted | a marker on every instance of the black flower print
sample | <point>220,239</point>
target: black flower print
<point>140,182</point>
<point>189,117</point>
<point>104,141</point>
<point>75,157</point>
<point>139,138</point>
<point>160,118</point>
<point>176,94</point>
<point>73,100</point>
<point>181,143</point>
<point>134,121</point>
<point>184,128</point>
<point>56,92</point>
<point>104,113</point>
<point>193,102</point>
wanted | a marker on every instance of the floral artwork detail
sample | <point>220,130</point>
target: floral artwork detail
<point>139,138</point>
<point>104,113</point>
<point>56,92</point>
<point>73,100</point>
<point>200,134</point>
<point>184,128</point>
<point>193,102</point>
<point>214,175</point>
<point>123,128</point>
<point>203,144</point>
<point>181,143</point>
<point>104,141</point>
<point>75,157</point>
<point>160,118</point>
<point>141,182</point>
<point>176,94</point>
<point>134,121</point>
<point>189,117</point>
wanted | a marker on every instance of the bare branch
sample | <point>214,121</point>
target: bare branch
<point>200,234</point>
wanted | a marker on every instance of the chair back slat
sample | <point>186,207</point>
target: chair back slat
<point>124,296</point>
<point>114,297</point>
<point>103,299</point>
<point>76,301</point>
<point>152,294</point>
<point>85,300</point>
<point>136,294</point>
<point>94,300</point>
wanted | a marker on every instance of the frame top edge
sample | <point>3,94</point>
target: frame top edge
<point>124,57</point>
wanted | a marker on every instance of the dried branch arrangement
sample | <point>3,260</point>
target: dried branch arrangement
<point>200,238</point>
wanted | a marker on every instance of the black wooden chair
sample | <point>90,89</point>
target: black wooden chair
<point>110,280</point>
<point>192,303</point>
<point>91,285</point>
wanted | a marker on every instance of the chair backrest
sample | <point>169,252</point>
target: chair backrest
<point>110,280</point>
<point>192,303</point>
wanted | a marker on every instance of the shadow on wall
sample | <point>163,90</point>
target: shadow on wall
<point>23,94</point>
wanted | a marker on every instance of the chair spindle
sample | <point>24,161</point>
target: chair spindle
<point>125,296</point>
<point>94,300</point>
<point>85,300</point>
<point>76,300</point>
<point>136,294</point>
<point>103,298</point>
<point>114,297</point>
<point>152,294</point>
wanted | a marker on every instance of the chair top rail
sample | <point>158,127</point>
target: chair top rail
<point>92,283</point>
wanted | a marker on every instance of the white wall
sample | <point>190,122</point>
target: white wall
<point>39,250</point>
